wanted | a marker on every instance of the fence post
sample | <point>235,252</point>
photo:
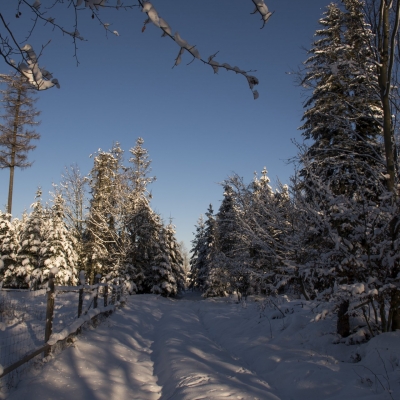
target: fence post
<point>96,282</point>
<point>49,312</point>
<point>106,295</point>
<point>80,302</point>
<point>114,291</point>
<point>119,290</point>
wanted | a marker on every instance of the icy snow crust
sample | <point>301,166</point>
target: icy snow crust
<point>157,348</point>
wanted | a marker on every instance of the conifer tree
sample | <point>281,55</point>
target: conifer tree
<point>140,222</point>
<point>209,241</point>
<point>235,262</point>
<point>226,222</point>
<point>138,174</point>
<point>17,133</point>
<point>104,215</point>
<point>214,277</point>
<point>343,116</point>
<point>199,253</point>
<point>345,174</point>
<point>175,257</point>
<point>29,259</point>
<point>58,249</point>
<point>9,244</point>
<point>162,279</point>
<point>143,229</point>
<point>185,258</point>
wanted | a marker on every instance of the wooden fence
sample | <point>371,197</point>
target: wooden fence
<point>111,298</point>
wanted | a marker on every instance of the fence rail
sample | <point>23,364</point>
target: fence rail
<point>28,318</point>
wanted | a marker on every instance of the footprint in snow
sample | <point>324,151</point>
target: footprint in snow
<point>194,380</point>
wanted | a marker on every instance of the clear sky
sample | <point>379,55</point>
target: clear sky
<point>199,127</point>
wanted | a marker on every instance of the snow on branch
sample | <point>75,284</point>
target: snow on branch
<point>10,47</point>
<point>153,17</point>
<point>262,9</point>
<point>37,77</point>
<point>42,15</point>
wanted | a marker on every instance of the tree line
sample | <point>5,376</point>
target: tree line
<point>333,233</point>
<point>114,233</point>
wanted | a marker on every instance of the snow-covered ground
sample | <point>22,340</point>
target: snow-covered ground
<point>23,320</point>
<point>157,348</point>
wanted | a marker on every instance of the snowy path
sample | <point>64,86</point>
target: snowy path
<point>189,364</point>
<point>154,348</point>
<point>159,349</point>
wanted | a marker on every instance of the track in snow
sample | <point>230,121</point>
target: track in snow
<point>153,349</point>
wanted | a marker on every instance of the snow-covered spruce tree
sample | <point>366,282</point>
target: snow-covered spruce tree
<point>9,244</point>
<point>255,201</point>
<point>343,116</point>
<point>103,223</point>
<point>214,276</point>
<point>138,173</point>
<point>218,280</point>
<point>356,171</point>
<point>20,275</point>
<point>162,279</point>
<point>225,220</point>
<point>175,257</point>
<point>209,239</point>
<point>345,120</point>
<point>58,249</point>
<point>140,222</point>
<point>198,260</point>
<point>16,133</point>
<point>236,261</point>
<point>143,229</point>
<point>348,257</point>
<point>185,259</point>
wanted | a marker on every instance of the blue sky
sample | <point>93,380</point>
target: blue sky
<point>199,127</point>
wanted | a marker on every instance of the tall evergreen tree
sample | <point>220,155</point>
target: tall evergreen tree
<point>199,254</point>
<point>140,222</point>
<point>214,277</point>
<point>104,214</point>
<point>343,116</point>
<point>58,249</point>
<point>162,279</point>
<point>140,170</point>
<point>17,133</point>
<point>210,236</point>
<point>29,259</point>
<point>175,257</point>
<point>226,222</point>
<point>143,230</point>
<point>9,244</point>
<point>344,171</point>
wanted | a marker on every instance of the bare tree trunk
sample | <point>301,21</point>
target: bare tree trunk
<point>13,152</point>
<point>386,55</point>
<point>386,50</point>
<point>10,191</point>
